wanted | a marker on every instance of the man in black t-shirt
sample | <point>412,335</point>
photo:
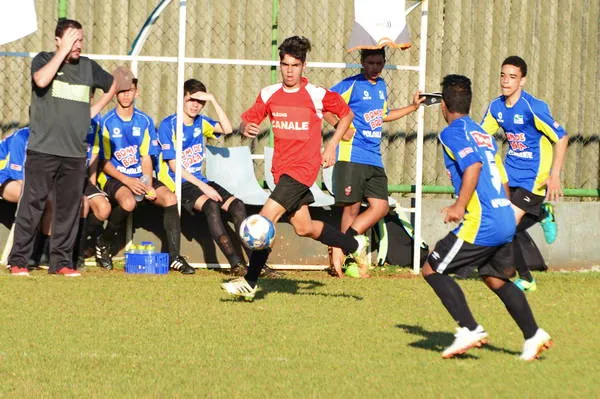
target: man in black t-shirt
<point>60,119</point>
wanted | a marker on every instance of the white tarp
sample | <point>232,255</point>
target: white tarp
<point>379,23</point>
<point>17,19</point>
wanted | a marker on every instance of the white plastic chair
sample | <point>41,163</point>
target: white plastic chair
<point>233,169</point>
<point>322,199</point>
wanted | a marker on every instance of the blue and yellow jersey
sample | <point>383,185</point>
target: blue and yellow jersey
<point>92,139</point>
<point>192,149</point>
<point>531,132</point>
<point>489,218</point>
<point>13,149</point>
<point>368,101</point>
<point>124,143</point>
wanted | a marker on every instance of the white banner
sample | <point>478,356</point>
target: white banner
<point>379,23</point>
<point>17,19</point>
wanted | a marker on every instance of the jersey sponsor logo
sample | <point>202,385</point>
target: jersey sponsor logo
<point>192,155</point>
<point>371,134</point>
<point>381,96</point>
<point>197,132</point>
<point>524,154</point>
<point>518,119</point>
<point>482,139</point>
<point>500,202</point>
<point>116,132</point>
<point>166,147</point>
<point>130,171</point>
<point>155,143</point>
<point>366,95</point>
<point>16,167</point>
<point>465,151</point>
<point>556,125</point>
<point>374,118</point>
<point>136,131</point>
<point>295,125</point>
<point>280,114</point>
<point>127,156</point>
<point>290,125</point>
<point>499,117</point>
<point>516,141</point>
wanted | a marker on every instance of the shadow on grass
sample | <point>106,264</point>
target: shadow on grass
<point>436,341</point>
<point>295,287</point>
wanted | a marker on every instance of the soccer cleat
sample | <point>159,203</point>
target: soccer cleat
<point>239,269</point>
<point>464,340</point>
<point>103,256</point>
<point>524,285</point>
<point>19,271</point>
<point>181,265</point>
<point>361,254</point>
<point>240,288</point>
<point>549,223</point>
<point>66,271</point>
<point>352,270</point>
<point>268,272</point>
<point>536,345</point>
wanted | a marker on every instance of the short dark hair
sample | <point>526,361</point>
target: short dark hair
<point>364,53</point>
<point>63,24</point>
<point>296,46</point>
<point>456,93</point>
<point>192,86</point>
<point>517,61</point>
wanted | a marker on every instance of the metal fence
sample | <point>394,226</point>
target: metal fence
<point>558,38</point>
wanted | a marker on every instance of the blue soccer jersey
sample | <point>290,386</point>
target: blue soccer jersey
<point>368,101</point>
<point>530,131</point>
<point>124,143</point>
<point>489,218</point>
<point>192,149</point>
<point>12,155</point>
<point>92,139</point>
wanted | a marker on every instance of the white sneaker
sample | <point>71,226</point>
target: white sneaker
<point>240,288</point>
<point>361,255</point>
<point>464,340</point>
<point>536,345</point>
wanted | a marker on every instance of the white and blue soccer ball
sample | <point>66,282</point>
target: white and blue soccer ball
<point>257,232</point>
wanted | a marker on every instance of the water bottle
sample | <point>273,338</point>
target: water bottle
<point>148,247</point>
<point>145,180</point>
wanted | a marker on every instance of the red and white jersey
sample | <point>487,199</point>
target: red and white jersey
<point>296,116</point>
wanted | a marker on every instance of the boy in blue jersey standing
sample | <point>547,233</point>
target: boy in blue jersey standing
<point>487,225</point>
<point>127,146</point>
<point>358,173</point>
<point>533,170</point>
<point>197,193</point>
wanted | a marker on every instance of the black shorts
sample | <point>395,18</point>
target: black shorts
<point>291,194</point>
<point>113,185</point>
<point>527,201</point>
<point>190,194</point>
<point>452,255</point>
<point>353,182</point>
<point>91,191</point>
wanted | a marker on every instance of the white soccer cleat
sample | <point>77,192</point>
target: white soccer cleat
<point>536,345</point>
<point>361,255</point>
<point>464,340</point>
<point>240,288</point>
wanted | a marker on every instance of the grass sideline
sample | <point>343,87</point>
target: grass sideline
<point>307,335</point>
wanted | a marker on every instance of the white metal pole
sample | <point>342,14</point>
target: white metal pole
<point>420,129</point>
<point>180,81</point>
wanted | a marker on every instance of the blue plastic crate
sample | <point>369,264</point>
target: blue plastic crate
<point>155,263</point>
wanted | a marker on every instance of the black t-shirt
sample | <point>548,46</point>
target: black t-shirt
<point>60,112</point>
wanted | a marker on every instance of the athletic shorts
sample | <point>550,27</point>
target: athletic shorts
<point>190,194</point>
<point>90,190</point>
<point>113,185</point>
<point>452,255</point>
<point>291,194</point>
<point>527,201</point>
<point>353,182</point>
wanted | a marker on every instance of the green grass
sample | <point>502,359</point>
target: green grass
<point>109,334</point>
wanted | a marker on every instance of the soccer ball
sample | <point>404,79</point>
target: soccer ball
<point>257,232</point>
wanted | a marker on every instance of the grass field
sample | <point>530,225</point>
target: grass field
<point>109,334</point>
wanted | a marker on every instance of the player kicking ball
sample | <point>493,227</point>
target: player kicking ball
<point>295,108</point>
<point>483,238</point>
